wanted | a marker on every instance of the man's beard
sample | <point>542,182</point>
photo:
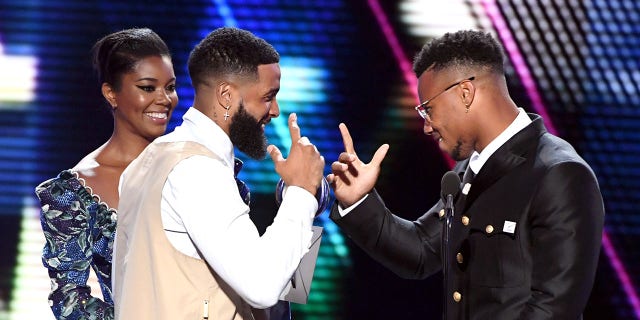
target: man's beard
<point>247,135</point>
<point>459,152</point>
<point>456,153</point>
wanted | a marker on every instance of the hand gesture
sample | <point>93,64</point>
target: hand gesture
<point>351,179</point>
<point>304,166</point>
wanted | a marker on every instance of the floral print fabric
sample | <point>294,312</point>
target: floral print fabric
<point>79,230</point>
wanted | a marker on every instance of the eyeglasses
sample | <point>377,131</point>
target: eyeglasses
<point>425,112</point>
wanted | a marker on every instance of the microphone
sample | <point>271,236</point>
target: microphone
<point>450,187</point>
<point>322,194</point>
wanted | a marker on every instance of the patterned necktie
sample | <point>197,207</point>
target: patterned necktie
<point>244,191</point>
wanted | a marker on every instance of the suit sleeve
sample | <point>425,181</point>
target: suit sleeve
<point>566,232</point>
<point>411,249</point>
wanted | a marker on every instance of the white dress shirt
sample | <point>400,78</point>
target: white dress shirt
<point>477,160</point>
<point>204,217</point>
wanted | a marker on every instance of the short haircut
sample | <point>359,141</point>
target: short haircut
<point>227,52</point>
<point>465,48</point>
<point>118,53</point>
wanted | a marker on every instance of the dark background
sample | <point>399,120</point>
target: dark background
<point>576,63</point>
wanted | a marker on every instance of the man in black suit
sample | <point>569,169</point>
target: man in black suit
<point>526,231</point>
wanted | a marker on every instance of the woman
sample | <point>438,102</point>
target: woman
<point>78,206</point>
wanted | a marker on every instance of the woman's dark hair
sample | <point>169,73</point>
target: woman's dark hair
<point>117,53</point>
<point>229,51</point>
<point>466,48</point>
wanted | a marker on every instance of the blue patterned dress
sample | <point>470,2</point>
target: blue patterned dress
<point>79,230</point>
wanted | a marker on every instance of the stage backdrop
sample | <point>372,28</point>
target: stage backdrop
<point>574,62</point>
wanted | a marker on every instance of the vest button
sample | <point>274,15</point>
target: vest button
<point>489,229</point>
<point>459,258</point>
<point>465,220</point>
<point>457,296</point>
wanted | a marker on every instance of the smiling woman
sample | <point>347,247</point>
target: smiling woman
<point>78,206</point>
<point>144,99</point>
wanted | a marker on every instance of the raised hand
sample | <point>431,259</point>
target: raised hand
<point>304,166</point>
<point>350,178</point>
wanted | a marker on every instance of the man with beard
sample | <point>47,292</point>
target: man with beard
<point>524,239</point>
<point>186,247</point>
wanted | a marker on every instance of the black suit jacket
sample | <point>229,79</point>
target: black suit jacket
<point>524,241</point>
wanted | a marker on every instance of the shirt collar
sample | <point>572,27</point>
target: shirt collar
<point>477,160</point>
<point>206,132</point>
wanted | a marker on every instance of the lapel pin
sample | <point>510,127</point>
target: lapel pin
<point>465,189</point>
<point>509,227</point>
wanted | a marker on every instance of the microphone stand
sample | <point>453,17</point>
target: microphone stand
<point>448,213</point>
<point>450,189</point>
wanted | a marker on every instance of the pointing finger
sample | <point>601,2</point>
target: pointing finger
<point>294,129</point>
<point>346,138</point>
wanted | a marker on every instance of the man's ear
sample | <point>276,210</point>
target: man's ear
<point>468,93</point>
<point>110,95</point>
<point>223,93</point>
